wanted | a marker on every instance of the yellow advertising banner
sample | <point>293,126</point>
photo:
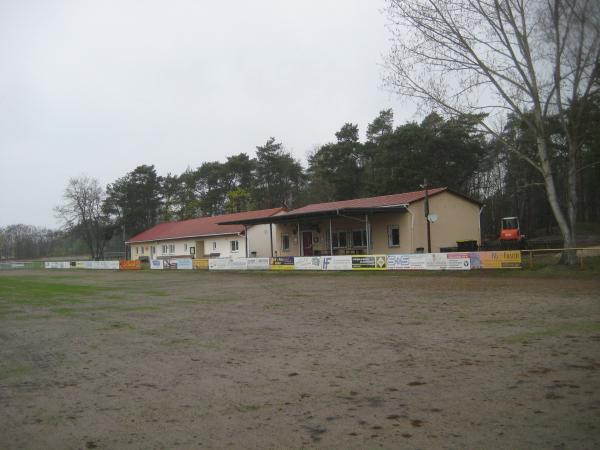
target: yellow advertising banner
<point>496,260</point>
<point>282,263</point>
<point>200,264</point>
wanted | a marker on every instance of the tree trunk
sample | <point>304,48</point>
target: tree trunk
<point>567,231</point>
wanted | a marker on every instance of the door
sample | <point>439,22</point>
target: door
<point>307,243</point>
<point>199,249</point>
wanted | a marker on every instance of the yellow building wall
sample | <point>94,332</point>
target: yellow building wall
<point>458,220</point>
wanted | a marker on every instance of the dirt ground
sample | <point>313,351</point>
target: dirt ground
<point>164,360</point>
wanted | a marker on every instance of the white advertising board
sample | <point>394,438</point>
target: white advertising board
<point>307,263</point>
<point>406,262</point>
<point>458,261</point>
<point>336,262</point>
<point>184,264</point>
<point>227,264</point>
<point>430,261</point>
<point>257,263</point>
<point>97,265</point>
<point>57,265</point>
<point>156,264</point>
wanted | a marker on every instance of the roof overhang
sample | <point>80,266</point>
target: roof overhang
<point>302,216</point>
<point>143,241</point>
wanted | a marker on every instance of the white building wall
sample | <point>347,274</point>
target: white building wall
<point>222,246</point>
<point>258,240</point>
<point>180,248</point>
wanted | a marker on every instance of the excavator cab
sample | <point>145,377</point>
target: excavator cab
<point>509,230</point>
<point>510,233</point>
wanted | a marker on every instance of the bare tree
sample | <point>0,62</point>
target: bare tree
<point>534,59</point>
<point>82,213</point>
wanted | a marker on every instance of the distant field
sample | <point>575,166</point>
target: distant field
<point>164,360</point>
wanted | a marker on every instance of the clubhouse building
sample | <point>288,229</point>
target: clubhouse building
<point>388,224</point>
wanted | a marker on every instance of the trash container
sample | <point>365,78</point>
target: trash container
<point>467,246</point>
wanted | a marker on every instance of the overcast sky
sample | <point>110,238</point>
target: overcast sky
<point>100,87</point>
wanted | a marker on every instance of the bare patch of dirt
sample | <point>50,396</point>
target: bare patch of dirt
<point>261,360</point>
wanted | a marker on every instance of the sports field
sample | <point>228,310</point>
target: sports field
<point>165,360</point>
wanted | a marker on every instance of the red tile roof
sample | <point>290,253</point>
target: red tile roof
<point>203,226</point>
<point>371,202</point>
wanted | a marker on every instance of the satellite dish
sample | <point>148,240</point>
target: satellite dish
<point>433,217</point>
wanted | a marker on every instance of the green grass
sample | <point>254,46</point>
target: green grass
<point>14,372</point>
<point>558,330</point>
<point>35,292</point>
<point>248,408</point>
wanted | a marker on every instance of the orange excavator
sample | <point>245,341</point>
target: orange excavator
<point>510,234</point>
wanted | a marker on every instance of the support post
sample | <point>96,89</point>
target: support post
<point>330,239</point>
<point>367,234</point>
<point>299,243</point>
<point>246,236</point>
<point>427,217</point>
<point>271,237</point>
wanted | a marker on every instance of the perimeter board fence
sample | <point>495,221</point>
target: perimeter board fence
<point>418,261</point>
<point>513,259</point>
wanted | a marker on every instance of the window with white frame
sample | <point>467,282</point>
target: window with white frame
<point>171,248</point>
<point>285,242</point>
<point>185,247</point>
<point>359,237</point>
<point>164,249</point>
<point>153,249</point>
<point>137,250</point>
<point>142,250</point>
<point>393,235</point>
<point>340,239</point>
<point>235,246</point>
<point>214,245</point>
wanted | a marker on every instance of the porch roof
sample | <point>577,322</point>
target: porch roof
<point>293,216</point>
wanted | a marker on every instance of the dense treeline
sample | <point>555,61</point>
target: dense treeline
<point>445,152</point>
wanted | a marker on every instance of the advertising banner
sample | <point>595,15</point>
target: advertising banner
<point>227,264</point>
<point>184,264</point>
<point>57,265</point>
<point>458,261</point>
<point>369,262</point>
<point>307,263</point>
<point>436,261</point>
<point>156,264</point>
<point>282,263</point>
<point>200,264</point>
<point>496,260</point>
<point>430,261</point>
<point>169,264</point>
<point>257,263</point>
<point>336,262</point>
<point>130,265</point>
<point>406,262</point>
<point>82,265</point>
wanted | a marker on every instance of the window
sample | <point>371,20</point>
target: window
<point>137,250</point>
<point>153,249</point>
<point>393,235</point>
<point>285,243</point>
<point>214,245</point>
<point>359,238</point>
<point>340,239</point>
<point>185,247</point>
<point>171,248</point>
<point>235,246</point>
<point>142,252</point>
<point>164,249</point>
